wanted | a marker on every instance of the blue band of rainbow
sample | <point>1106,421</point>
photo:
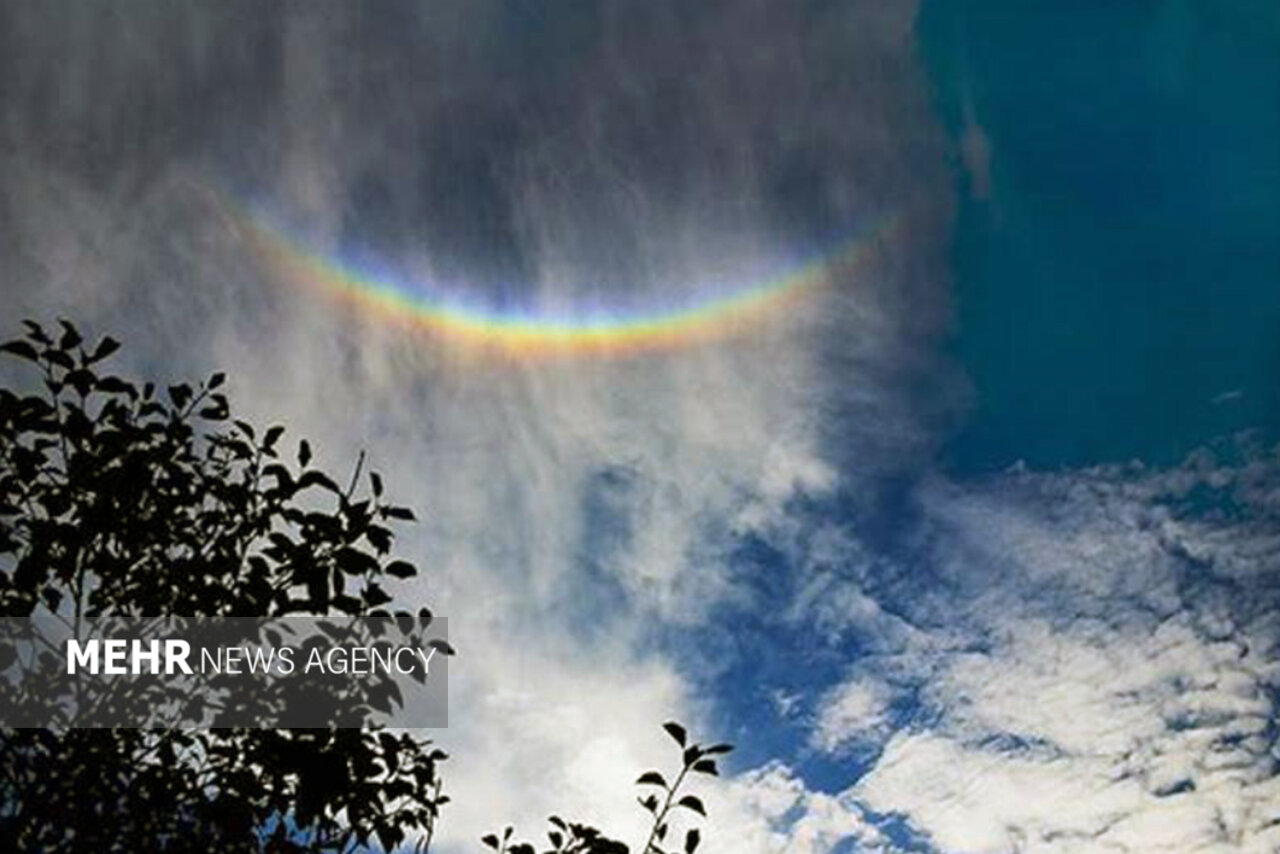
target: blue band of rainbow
<point>527,333</point>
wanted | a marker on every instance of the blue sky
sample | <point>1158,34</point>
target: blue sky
<point>973,550</point>
<point>1123,247</point>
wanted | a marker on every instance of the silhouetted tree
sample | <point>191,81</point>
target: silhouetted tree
<point>662,800</point>
<point>119,501</point>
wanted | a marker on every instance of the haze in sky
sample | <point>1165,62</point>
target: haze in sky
<point>891,389</point>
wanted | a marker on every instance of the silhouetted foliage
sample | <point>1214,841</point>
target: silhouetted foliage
<point>661,799</point>
<point>120,500</point>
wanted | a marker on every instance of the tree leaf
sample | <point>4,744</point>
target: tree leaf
<point>180,395</point>
<point>70,336</point>
<point>36,332</point>
<point>401,569</point>
<point>693,802</point>
<point>442,647</point>
<point>105,348</point>
<point>81,380</point>
<point>315,477</point>
<point>651,778</point>
<point>403,513</point>
<point>21,349</point>
<point>374,595</point>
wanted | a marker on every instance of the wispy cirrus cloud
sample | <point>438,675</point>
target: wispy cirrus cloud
<point>567,157</point>
<point>1070,661</point>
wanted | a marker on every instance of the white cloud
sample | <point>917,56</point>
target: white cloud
<point>1083,736</point>
<point>556,698</point>
<point>856,710</point>
<point>770,811</point>
<point>1113,695</point>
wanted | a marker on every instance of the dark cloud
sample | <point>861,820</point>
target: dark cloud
<point>543,154</point>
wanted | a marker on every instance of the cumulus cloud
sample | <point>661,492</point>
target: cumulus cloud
<point>1065,740</point>
<point>770,809</point>
<point>857,709</point>
<point>1117,690</point>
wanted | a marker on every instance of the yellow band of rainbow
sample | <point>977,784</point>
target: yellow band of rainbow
<point>530,335</point>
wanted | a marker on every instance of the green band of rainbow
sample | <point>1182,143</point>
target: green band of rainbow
<point>529,334</point>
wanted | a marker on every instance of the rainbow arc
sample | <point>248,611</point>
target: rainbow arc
<point>530,333</point>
